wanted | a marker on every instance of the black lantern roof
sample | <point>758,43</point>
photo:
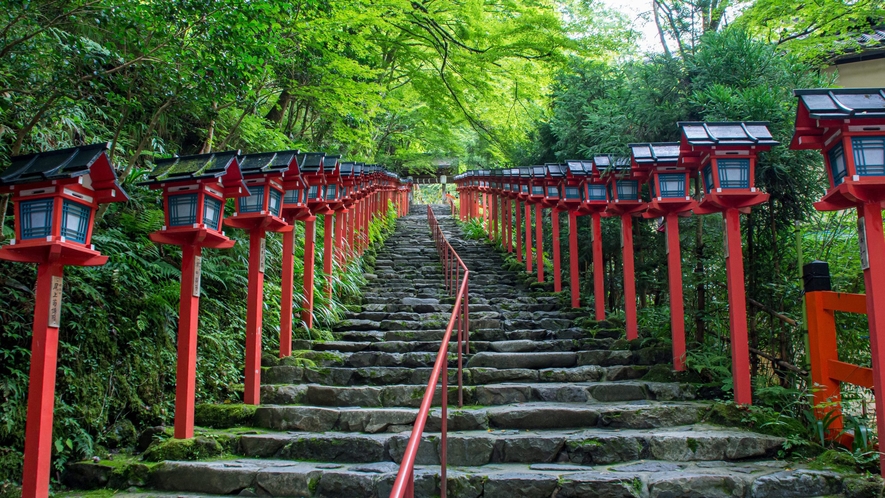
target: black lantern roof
<point>358,168</point>
<point>525,172</point>
<point>727,133</point>
<point>655,153</point>
<point>576,168</point>
<point>53,165</point>
<point>211,165</point>
<point>267,162</point>
<point>497,172</point>
<point>330,163</point>
<point>539,171</point>
<point>312,162</point>
<point>514,172</point>
<point>347,169</point>
<point>841,103</point>
<point>556,170</point>
<point>611,163</point>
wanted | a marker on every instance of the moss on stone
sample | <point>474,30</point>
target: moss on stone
<point>224,416</point>
<point>659,373</point>
<point>183,449</point>
<point>620,345</point>
<point>727,414</point>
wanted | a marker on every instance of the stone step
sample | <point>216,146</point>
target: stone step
<point>475,334</point>
<point>415,359</point>
<point>505,346</point>
<point>534,416</point>
<point>474,448</point>
<point>410,395</point>
<point>379,376</point>
<point>656,479</point>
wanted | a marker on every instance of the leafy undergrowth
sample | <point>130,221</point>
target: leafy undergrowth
<point>117,346</point>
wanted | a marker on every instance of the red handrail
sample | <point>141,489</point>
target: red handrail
<point>455,271</point>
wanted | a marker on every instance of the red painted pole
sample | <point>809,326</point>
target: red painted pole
<point>557,270</point>
<point>598,267</point>
<point>188,320</point>
<point>528,238</point>
<point>629,276</point>
<point>254,308</point>
<point>286,290</point>
<point>737,308</point>
<point>309,262</point>
<point>339,235</point>
<point>493,220</point>
<point>539,241</point>
<point>573,259</point>
<point>870,219</point>
<point>518,237</point>
<point>41,385</point>
<point>328,250</point>
<point>508,223</point>
<point>677,308</point>
<point>348,232</point>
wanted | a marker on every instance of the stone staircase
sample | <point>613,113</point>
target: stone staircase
<point>550,408</point>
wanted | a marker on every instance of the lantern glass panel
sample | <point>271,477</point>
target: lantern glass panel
<point>75,221</point>
<point>572,193</point>
<point>274,205</point>
<point>836,158</point>
<point>708,177</point>
<point>628,190</point>
<point>537,190</point>
<point>869,155</point>
<point>36,218</point>
<point>212,209</point>
<point>596,192</point>
<point>182,210</point>
<point>553,192</point>
<point>331,192</point>
<point>343,191</point>
<point>734,173</point>
<point>524,189</point>
<point>293,196</point>
<point>672,184</point>
<point>253,203</point>
<point>314,193</point>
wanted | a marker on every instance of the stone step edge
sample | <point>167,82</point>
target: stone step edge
<point>752,480</point>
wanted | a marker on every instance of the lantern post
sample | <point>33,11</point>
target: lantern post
<point>194,191</point>
<point>329,208</point>
<point>55,196</point>
<point>537,190</point>
<point>525,175</point>
<point>669,186</point>
<point>313,176</point>
<point>555,175</point>
<point>348,176</point>
<point>571,198</point>
<point>294,209</point>
<point>848,127</point>
<point>622,194</point>
<point>593,202</point>
<point>258,213</point>
<point>726,155</point>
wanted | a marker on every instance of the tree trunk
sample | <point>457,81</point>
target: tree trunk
<point>278,110</point>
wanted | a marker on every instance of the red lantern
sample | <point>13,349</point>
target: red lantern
<point>55,196</point>
<point>726,154</point>
<point>848,127</point>
<point>258,213</point>
<point>669,184</point>
<point>194,190</point>
<point>622,194</point>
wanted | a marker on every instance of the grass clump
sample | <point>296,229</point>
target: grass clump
<point>223,416</point>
